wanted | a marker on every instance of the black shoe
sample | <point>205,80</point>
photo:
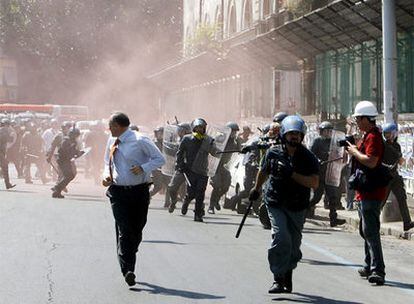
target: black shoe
<point>57,195</point>
<point>288,281</point>
<point>184,208</point>
<point>211,210</point>
<point>408,226</point>
<point>277,287</point>
<point>198,219</point>
<point>217,206</point>
<point>130,278</point>
<point>376,278</point>
<point>363,272</point>
<point>171,208</point>
<point>337,222</point>
<point>10,186</point>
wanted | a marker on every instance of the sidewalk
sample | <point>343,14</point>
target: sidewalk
<point>352,219</point>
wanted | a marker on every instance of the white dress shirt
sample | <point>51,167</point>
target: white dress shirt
<point>134,149</point>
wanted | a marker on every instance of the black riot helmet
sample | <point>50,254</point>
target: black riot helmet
<point>279,117</point>
<point>233,126</point>
<point>325,125</point>
<point>198,122</point>
<point>74,133</point>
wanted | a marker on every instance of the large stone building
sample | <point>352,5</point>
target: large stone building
<point>8,79</point>
<point>247,58</point>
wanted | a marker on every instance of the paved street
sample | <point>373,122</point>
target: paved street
<point>63,251</point>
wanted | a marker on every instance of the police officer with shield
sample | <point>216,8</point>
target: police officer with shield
<point>221,181</point>
<point>320,147</point>
<point>5,138</point>
<point>289,171</point>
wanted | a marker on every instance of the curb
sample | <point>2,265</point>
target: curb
<point>352,220</point>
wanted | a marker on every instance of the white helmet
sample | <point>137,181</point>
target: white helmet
<point>365,108</point>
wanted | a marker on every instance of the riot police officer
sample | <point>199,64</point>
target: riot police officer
<point>178,180</point>
<point>222,178</point>
<point>67,151</point>
<point>32,151</point>
<point>320,147</point>
<point>160,180</point>
<point>290,172</point>
<point>5,138</point>
<point>393,158</point>
<point>192,161</point>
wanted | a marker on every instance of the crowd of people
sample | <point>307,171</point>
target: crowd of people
<point>282,176</point>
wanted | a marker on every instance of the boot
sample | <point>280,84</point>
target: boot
<point>288,281</point>
<point>211,210</point>
<point>278,286</point>
<point>408,226</point>
<point>171,208</point>
<point>364,272</point>
<point>9,186</point>
<point>337,222</point>
<point>184,208</point>
<point>376,278</point>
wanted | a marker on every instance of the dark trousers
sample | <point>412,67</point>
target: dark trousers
<point>220,182</point>
<point>130,210</point>
<point>369,229</point>
<point>67,173</point>
<point>28,161</point>
<point>196,191</point>
<point>174,186</point>
<point>396,186</point>
<point>331,193</point>
<point>4,165</point>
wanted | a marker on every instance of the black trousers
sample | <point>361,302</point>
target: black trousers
<point>67,174</point>
<point>130,210</point>
<point>196,191</point>
<point>4,165</point>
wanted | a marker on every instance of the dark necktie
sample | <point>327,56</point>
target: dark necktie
<point>112,152</point>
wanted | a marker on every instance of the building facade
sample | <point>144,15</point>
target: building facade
<point>8,79</point>
<point>253,58</point>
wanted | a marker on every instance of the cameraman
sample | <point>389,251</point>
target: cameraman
<point>290,172</point>
<point>368,155</point>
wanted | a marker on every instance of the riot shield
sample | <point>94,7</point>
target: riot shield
<point>221,136</point>
<point>170,144</point>
<point>335,160</point>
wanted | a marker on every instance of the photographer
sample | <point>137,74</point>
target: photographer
<point>290,172</point>
<point>368,181</point>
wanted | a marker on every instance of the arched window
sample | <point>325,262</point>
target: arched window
<point>232,20</point>
<point>247,16</point>
<point>267,7</point>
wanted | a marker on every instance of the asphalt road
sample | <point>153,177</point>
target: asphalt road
<point>63,251</point>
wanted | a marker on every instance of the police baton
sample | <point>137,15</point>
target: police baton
<point>53,166</point>
<point>187,180</point>
<point>331,160</point>
<point>246,213</point>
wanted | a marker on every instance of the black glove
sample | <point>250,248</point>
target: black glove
<point>284,168</point>
<point>246,149</point>
<point>254,195</point>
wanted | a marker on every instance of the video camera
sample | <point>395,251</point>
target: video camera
<point>344,142</point>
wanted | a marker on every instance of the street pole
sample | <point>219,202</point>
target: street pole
<point>389,60</point>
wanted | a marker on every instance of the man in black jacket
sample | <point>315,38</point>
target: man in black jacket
<point>289,172</point>
<point>192,161</point>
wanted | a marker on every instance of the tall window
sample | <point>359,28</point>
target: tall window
<point>247,16</point>
<point>267,9</point>
<point>232,20</point>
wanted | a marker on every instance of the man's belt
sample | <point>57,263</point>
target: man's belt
<point>132,187</point>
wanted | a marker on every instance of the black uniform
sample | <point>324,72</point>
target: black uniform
<point>320,147</point>
<point>4,164</point>
<point>192,160</point>
<point>32,151</point>
<point>221,180</point>
<point>392,155</point>
<point>66,152</point>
